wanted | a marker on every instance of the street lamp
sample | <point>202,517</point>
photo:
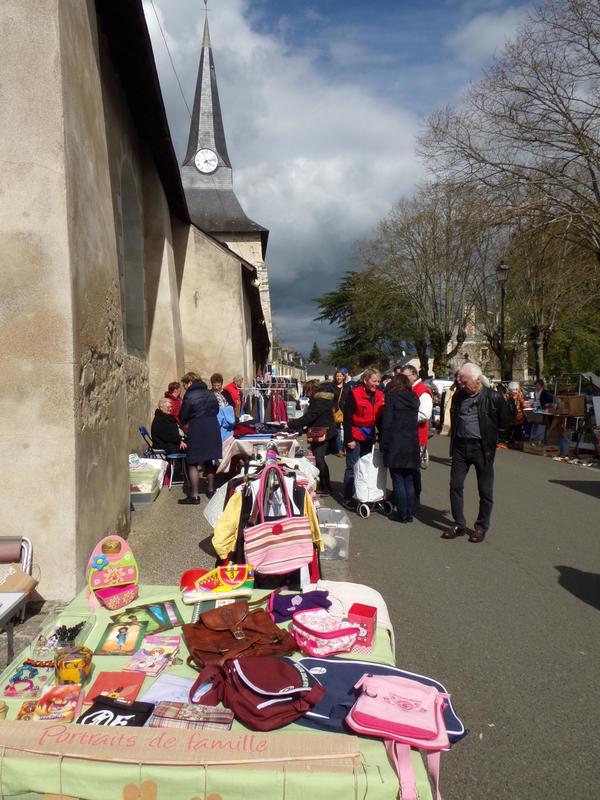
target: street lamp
<point>502,276</point>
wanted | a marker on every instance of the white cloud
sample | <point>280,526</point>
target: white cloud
<point>486,34</point>
<point>317,162</point>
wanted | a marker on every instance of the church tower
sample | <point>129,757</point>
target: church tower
<point>207,178</point>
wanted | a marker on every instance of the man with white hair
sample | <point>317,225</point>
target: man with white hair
<point>478,415</point>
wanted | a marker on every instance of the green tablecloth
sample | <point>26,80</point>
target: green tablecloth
<point>26,777</point>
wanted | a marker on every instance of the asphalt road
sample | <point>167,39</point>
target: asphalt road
<point>511,626</point>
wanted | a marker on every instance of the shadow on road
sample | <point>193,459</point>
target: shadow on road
<point>583,585</point>
<point>445,461</point>
<point>434,517</point>
<point>206,546</point>
<point>587,487</point>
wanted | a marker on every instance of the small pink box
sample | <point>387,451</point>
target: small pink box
<point>115,597</point>
<point>366,618</point>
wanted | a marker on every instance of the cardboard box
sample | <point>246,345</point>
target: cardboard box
<point>366,618</point>
<point>571,405</point>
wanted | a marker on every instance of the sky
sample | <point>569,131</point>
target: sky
<point>322,102</point>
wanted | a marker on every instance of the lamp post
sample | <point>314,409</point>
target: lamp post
<point>502,276</point>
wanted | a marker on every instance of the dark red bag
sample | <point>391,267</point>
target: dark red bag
<point>263,692</point>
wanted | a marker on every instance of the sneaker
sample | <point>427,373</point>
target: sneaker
<point>189,501</point>
<point>348,503</point>
<point>210,494</point>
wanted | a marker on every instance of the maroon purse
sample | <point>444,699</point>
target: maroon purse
<point>316,435</point>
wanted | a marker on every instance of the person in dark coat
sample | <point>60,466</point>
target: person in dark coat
<point>399,443</point>
<point>199,411</point>
<point>165,430</point>
<point>319,414</point>
<point>479,417</point>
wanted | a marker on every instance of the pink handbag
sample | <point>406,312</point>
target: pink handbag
<point>277,546</point>
<point>319,634</point>
<point>405,713</point>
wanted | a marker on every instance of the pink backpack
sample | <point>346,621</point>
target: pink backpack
<point>405,713</point>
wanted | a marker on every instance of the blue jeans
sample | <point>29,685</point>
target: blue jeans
<point>403,482</point>
<point>352,456</point>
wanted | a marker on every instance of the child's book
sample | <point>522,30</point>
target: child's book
<point>154,655</point>
<point>117,685</point>
<point>59,703</point>
<point>28,682</point>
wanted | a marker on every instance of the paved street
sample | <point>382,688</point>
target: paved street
<point>511,626</point>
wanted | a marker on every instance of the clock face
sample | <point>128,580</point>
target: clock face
<point>206,161</point>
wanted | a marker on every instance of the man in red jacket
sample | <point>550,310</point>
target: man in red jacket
<point>425,396</point>
<point>362,411</point>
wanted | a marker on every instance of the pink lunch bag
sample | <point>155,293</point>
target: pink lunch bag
<point>319,634</point>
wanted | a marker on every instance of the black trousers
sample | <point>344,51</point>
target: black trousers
<point>467,453</point>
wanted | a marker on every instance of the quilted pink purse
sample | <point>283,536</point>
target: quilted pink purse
<point>277,546</point>
<point>319,634</point>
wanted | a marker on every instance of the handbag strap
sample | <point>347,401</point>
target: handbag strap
<point>401,759</point>
<point>261,499</point>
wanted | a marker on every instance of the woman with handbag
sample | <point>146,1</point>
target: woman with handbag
<point>320,428</point>
<point>341,389</point>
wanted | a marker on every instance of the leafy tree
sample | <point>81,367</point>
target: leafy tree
<point>314,357</point>
<point>374,317</point>
<point>529,130</point>
<point>424,249</point>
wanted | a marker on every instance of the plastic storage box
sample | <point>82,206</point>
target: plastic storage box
<point>335,531</point>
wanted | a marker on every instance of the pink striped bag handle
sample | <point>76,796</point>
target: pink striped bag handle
<point>262,486</point>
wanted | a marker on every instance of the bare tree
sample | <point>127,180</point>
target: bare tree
<point>530,129</point>
<point>424,248</point>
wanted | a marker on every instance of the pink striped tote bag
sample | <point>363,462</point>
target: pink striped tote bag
<point>277,546</point>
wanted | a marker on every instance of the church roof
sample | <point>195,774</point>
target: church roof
<point>212,202</point>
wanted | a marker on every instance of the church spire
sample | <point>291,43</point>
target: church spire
<point>206,128</point>
<point>206,171</point>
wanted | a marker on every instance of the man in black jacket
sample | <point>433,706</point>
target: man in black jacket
<point>478,416</point>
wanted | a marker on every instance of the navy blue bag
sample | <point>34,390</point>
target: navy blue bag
<point>338,677</point>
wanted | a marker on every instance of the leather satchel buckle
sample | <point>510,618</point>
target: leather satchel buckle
<point>238,633</point>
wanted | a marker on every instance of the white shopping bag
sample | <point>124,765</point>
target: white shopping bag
<point>370,478</point>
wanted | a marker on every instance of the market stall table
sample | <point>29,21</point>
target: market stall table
<point>11,604</point>
<point>246,447</point>
<point>49,757</point>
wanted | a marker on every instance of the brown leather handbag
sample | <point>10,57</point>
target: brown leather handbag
<point>231,631</point>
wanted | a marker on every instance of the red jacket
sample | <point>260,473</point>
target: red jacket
<point>176,403</point>
<point>366,413</point>
<point>236,397</point>
<point>420,388</point>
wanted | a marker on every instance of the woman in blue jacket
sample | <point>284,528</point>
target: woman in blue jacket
<point>199,411</point>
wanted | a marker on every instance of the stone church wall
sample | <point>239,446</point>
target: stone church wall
<point>86,233</point>
<point>37,491</point>
<point>215,316</point>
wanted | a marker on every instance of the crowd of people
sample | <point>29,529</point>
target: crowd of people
<point>196,425</point>
<point>345,418</point>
